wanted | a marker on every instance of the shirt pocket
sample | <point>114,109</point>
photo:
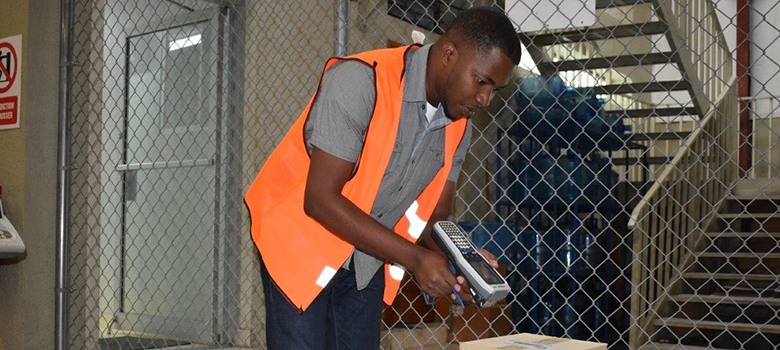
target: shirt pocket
<point>395,159</point>
<point>432,162</point>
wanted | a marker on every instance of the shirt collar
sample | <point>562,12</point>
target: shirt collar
<point>417,64</point>
<point>414,89</point>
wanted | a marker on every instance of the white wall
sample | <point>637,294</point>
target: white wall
<point>765,48</point>
<point>28,173</point>
<point>765,82</point>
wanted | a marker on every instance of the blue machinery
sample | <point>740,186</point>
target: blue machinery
<point>560,228</point>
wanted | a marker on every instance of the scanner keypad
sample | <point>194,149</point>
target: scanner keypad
<point>457,237</point>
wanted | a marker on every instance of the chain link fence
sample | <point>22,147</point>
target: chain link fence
<point>605,177</point>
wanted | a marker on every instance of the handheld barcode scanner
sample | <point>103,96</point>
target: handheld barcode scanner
<point>487,285</point>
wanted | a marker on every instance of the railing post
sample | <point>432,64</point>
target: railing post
<point>743,86</point>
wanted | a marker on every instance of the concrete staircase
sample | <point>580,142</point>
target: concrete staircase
<point>622,49</point>
<point>729,298</point>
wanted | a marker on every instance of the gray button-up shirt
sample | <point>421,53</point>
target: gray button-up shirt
<point>339,119</point>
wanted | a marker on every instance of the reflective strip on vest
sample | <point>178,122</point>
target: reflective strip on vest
<point>326,275</point>
<point>396,272</point>
<point>416,225</point>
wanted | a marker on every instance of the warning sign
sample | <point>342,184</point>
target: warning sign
<point>10,81</point>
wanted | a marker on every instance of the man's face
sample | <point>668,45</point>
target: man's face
<point>472,82</point>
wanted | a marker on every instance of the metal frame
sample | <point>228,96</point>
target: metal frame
<point>62,289</point>
<point>221,312</point>
<point>216,16</point>
<point>342,30</point>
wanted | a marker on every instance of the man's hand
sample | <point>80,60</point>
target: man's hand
<point>433,274</point>
<point>465,290</point>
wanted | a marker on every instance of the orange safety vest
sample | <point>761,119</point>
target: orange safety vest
<point>299,253</point>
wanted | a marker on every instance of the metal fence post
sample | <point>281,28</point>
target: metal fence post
<point>63,179</point>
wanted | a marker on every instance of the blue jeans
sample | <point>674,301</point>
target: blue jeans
<point>341,317</point>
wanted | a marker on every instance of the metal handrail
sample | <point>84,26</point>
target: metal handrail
<point>667,223</point>
<point>187,163</point>
<point>675,164</point>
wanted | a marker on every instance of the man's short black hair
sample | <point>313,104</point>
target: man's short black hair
<point>487,28</point>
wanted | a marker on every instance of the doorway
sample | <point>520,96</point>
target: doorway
<point>172,280</point>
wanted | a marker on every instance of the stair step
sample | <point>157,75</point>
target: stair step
<point>599,33</point>
<point>761,234</point>
<point>602,4</point>
<point>749,215</point>
<point>610,62</point>
<point>665,346</point>
<point>759,196</point>
<point>734,327</point>
<point>635,88</point>
<point>638,160</point>
<point>739,255</point>
<point>655,112</point>
<point>731,276</point>
<point>751,189</point>
<point>656,136</point>
<point>722,299</point>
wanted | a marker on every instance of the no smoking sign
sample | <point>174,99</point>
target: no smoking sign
<point>10,81</point>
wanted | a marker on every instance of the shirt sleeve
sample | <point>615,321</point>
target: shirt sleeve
<point>342,110</point>
<point>460,154</point>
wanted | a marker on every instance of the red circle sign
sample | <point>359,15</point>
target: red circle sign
<point>4,70</point>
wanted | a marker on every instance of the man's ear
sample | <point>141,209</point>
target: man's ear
<point>449,54</point>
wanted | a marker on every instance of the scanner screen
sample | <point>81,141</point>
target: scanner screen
<point>483,269</point>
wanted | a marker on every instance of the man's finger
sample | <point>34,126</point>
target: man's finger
<point>465,293</point>
<point>492,260</point>
<point>450,278</point>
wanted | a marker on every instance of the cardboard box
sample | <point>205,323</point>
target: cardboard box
<point>477,323</point>
<point>528,341</point>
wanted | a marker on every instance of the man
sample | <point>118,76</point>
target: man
<point>362,175</point>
